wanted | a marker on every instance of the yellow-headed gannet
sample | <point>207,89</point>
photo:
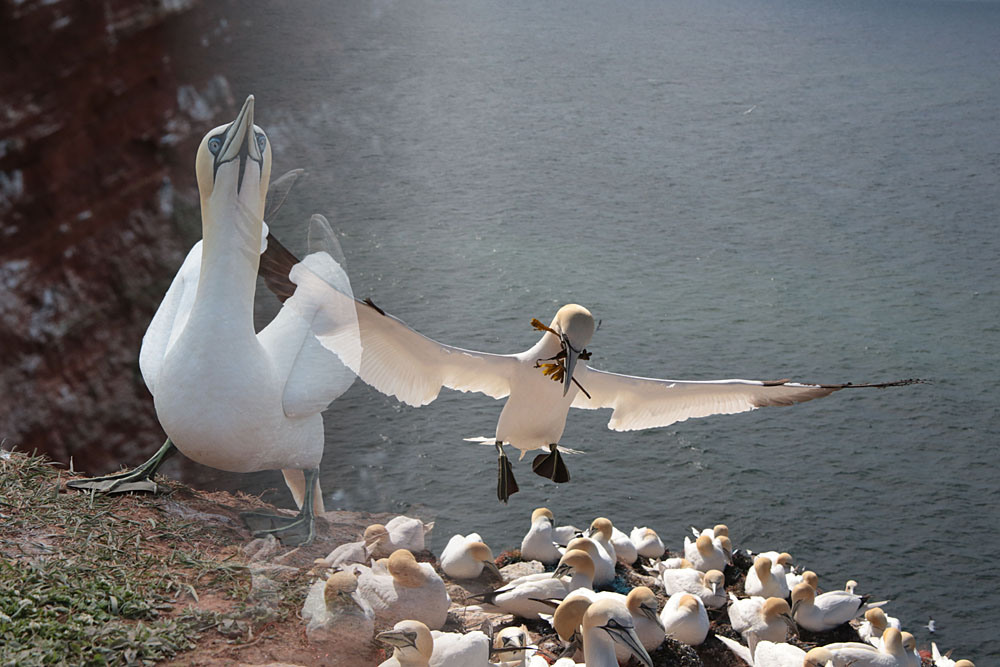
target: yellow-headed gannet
<point>339,619</point>
<point>709,586</point>
<point>400,532</point>
<point>404,589</point>
<point>604,563</point>
<point>910,649</point>
<point>403,363</point>
<point>538,543</point>
<point>465,557</point>
<point>625,550</point>
<point>647,543</point>
<point>226,396</point>
<point>768,619</point>
<point>510,646</point>
<point>411,642</point>
<point>856,654</point>
<point>819,613</point>
<point>684,618</point>
<point>875,623</point>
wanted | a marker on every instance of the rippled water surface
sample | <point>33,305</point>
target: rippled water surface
<point>759,189</point>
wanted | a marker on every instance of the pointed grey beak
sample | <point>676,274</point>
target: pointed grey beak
<point>492,567</point>
<point>562,570</point>
<point>397,638</point>
<point>240,134</point>
<point>571,358</point>
<point>628,638</point>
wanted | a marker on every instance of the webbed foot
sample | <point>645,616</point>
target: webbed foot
<point>551,466</point>
<point>293,531</point>
<point>506,485</point>
<point>139,478</point>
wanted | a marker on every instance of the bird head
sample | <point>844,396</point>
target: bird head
<point>233,166</point>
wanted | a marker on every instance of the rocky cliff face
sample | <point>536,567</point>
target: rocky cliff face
<point>97,130</point>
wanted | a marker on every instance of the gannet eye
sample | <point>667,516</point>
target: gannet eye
<point>214,144</point>
<point>261,142</point>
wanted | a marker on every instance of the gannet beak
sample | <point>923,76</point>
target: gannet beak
<point>626,636</point>
<point>397,638</point>
<point>571,357</point>
<point>492,567</point>
<point>239,142</point>
<point>562,570</point>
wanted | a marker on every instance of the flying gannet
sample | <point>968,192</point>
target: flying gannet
<point>542,383</point>
<point>229,397</point>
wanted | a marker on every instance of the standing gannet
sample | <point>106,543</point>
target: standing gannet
<point>538,543</point>
<point>465,556</point>
<point>604,565</point>
<point>600,532</point>
<point>543,382</point>
<point>226,396</point>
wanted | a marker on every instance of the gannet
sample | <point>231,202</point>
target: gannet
<point>510,646</point>
<point>465,556</point>
<point>875,623</point>
<point>339,619</point>
<point>355,552</point>
<point>625,550</point>
<point>455,649</point>
<point>404,589</point>
<point>543,382</point>
<point>684,618</point>
<point>709,587</point>
<point>400,532</point>
<point>849,585</point>
<point>912,657</point>
<point>765,653</point>
<point>890,654</point>
<point>643,606</point>
<point>763,581</point>
<point>226,396</point>
<point>538,543</point>
<point>768,619</point>
<point>563,535</point>
<point>704,554</point>
<point>718,530</point>
<point>604,563</point>
<point>603,623</point>
<point>945,660</point>
<point>647,543</point>
<point>412,644</point>
<point>526,597</point>
<point>819,613</point>
<point>600,532</point>
<point>793,579</point>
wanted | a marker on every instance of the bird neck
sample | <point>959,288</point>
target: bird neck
<point>599,648</point>
<point>229,263</point>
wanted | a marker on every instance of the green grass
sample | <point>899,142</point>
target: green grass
<point>85,581</point>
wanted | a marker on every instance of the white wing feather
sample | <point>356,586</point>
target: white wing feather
<point>640,403</point>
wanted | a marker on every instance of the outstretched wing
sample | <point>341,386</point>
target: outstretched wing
<point>640,403</point>
<point>391,356</point>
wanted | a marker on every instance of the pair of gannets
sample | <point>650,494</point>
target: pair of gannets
<point>757,619</point>
<point>820,613</point>
<point>542,383</point>
<point>767,579</point>
<point>642,606</point>
<point>400,588</point>
<point>709,587</point>
<point>227,396</point>
<point>875,623</point>
<point>603,624</point>
<point>527,596</point>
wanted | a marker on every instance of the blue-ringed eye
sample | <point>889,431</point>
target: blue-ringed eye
<point>261,142</point>
<point>214,144</point>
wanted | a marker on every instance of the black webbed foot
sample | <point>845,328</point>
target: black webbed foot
<point>506,484</point>
<point>139,478</point>
<point>291,530</point>
<point>551,466</point>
